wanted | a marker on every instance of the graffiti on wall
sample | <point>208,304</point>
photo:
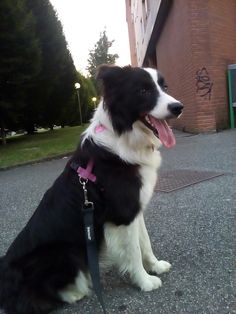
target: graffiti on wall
<point>203,83</point>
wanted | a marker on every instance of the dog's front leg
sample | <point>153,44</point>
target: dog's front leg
<point>150,262</point>
<point>123,249</point>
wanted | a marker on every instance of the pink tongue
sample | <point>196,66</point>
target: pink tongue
<point>165,133</point>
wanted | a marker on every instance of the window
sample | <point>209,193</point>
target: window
<point>145,12</point>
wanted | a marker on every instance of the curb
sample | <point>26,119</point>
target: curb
<point>37,161</point>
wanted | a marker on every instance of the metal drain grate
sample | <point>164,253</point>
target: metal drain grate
<point>172,180</point>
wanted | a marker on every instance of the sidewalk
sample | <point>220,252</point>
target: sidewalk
<point>193,228</point>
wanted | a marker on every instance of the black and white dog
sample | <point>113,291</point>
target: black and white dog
<point>46,265</point>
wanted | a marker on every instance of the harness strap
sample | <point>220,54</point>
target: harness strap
<point>87,173</point>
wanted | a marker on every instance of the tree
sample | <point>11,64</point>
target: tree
<point>52,92</point>
<point>20,60</point>
<point>99,54</point>
<point>86,92</point>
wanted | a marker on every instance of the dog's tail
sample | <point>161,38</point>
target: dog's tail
<point>16,297</point>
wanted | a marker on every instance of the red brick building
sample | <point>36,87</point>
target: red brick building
<point>191,42</point>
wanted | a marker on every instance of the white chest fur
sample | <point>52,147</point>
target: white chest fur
<point>148,175</point>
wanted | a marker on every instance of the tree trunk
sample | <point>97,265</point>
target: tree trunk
<point>3,134</point>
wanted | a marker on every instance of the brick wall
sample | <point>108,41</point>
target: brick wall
<point>197,43</point>
<point>222,29</point>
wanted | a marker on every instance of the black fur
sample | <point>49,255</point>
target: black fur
<point>49,251</point>
<point>129,94</point>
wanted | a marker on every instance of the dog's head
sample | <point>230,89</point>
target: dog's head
<point>139,94</point>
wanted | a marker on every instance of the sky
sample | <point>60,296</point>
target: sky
<point>83,21</point>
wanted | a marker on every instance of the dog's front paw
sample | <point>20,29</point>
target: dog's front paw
<point>160,267</point>
<point>150,283</point>
<point>72,295</point>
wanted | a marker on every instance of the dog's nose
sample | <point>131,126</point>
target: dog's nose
<point>175,108</point>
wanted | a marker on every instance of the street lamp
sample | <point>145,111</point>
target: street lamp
<point>77,87</point>
<point>94,100</point>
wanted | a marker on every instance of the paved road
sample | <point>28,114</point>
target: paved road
<point>193,228</point>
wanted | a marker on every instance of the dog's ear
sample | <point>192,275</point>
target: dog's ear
<point>108,73</point>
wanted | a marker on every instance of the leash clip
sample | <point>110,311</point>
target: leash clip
<point>87,203</point>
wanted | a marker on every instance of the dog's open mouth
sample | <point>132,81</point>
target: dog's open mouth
<point>161,129</point>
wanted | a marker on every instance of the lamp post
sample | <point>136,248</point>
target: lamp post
<point>77,87</point>
<point>94,100</point>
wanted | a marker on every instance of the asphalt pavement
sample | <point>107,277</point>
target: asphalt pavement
<point>194,228</point>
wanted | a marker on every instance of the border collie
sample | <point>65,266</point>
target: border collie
<point>46,265</point>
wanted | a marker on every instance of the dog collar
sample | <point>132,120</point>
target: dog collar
<point>100,128</point>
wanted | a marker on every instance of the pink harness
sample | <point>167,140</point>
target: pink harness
<point>87,174</point>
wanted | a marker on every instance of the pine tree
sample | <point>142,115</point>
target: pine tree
<point>52,94</point>
<point>99,54</point>
<point>20,57</point>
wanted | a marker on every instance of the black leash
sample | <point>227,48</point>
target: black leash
<point>91,245</point>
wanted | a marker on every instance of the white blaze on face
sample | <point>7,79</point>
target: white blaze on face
<point>161,112</point>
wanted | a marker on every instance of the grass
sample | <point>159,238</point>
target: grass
<point>27,148</point>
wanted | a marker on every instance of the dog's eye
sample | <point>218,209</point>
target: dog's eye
<point>144,91</point>
<point>165,87</point>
